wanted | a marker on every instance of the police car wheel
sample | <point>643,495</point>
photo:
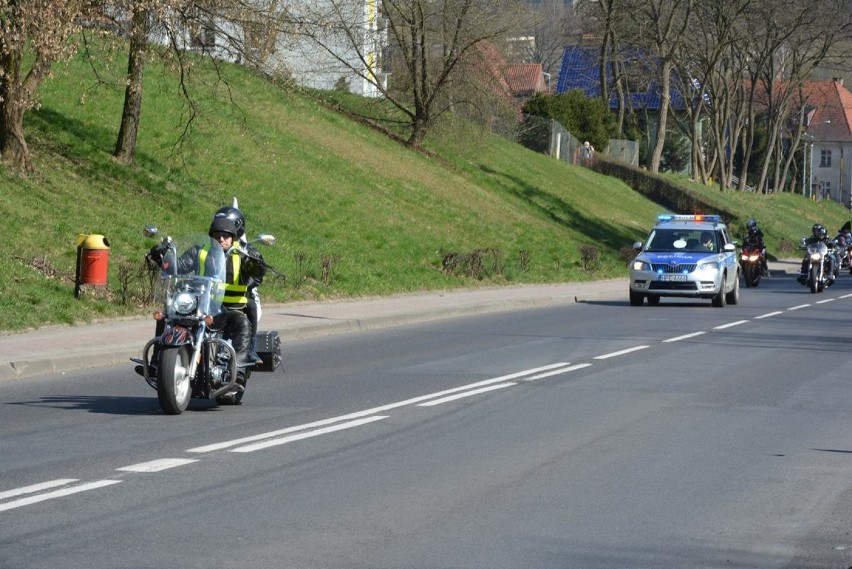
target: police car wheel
<point>720,299</point>
<point>636,298</point>
<point>733,297</point>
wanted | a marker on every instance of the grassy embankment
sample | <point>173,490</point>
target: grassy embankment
<point>355,212</point>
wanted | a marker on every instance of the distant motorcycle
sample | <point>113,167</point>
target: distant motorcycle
<point>751,262</point>
<point>192,358</point>
<point>817,263</point>
<point>843,252</point>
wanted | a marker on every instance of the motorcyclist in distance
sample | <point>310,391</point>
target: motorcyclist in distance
<point>844,244</point>
<point>819,234</point>
<point>754,238</point>
<point>245,270</point>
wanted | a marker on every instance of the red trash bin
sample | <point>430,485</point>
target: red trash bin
<point>92,261</point>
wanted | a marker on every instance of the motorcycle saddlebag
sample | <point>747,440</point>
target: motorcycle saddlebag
<point>268,347</point>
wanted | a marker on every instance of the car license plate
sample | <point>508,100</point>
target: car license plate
<point>675,278</point>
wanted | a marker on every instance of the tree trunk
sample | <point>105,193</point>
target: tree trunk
<point>13,144</point>
<point>662,120</point>
<point>125,146</point>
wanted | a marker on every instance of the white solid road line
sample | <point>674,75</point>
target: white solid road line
<point>36,488</point>
<point>157,465</point>
<point>309,434</point>
<point>373,411</point>
<point>465,394</point>
<point>556,372</point>
<point>56,494</point>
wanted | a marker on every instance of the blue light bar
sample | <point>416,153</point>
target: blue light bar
<point>693,217</point>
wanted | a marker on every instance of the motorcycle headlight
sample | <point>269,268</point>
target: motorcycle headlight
<point>641,266</point>
<point>185,303</point>
<point>816,257</point>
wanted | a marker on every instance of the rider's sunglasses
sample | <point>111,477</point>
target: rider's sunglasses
<point>222,235</point>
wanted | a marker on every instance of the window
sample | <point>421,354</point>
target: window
<point>825,159</point>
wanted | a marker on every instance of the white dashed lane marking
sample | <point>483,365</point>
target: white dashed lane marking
<point>684,337</point>
<point>620,352</point>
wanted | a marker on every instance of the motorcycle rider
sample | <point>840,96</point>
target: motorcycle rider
<point>754,238</point>
<point>252,308</point>
<point>819,234</point>
<point>245,270</point>
<point>844,245</point>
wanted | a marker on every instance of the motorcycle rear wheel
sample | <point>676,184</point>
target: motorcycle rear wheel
<point>235,398</point>
<point>173,384</point>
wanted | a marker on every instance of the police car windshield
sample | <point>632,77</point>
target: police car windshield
<point>686,240</point>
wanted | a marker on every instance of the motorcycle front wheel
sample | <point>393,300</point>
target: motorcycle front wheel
<point>173,384</point>
<point>813,281</point>
<point>752,275</point>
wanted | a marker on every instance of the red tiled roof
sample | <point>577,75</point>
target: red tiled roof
<point>525,78</point>
<point>830,109</point>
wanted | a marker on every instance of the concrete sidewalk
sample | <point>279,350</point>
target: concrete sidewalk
<point>66,348</point>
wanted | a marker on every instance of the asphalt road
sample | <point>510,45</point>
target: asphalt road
<point>589,435</point>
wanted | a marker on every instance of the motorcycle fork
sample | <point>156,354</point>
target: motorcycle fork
<point>197,343</point>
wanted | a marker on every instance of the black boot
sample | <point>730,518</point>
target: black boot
<point>240,332</point>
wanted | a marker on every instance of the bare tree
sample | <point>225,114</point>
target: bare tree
<point>33,35</point>
<point>125,146</point>
<point>609,22</point>
<point>428,41</point>
<point>705,76</point>
<point>798,36</point>
<point>553,27</point>
<point>661,29</point>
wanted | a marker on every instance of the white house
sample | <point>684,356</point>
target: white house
<point>828,156</point>
<point>325,43</point>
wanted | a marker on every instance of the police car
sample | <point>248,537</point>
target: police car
<point>690,256</point>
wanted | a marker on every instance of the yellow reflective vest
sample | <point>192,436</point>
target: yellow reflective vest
<point>235,293</point>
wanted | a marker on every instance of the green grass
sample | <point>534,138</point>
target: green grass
<point>327,186</point>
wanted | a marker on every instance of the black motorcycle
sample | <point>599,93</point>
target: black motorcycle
<point>192,358</point>
<point>751,263</point>
<point>819,265</point>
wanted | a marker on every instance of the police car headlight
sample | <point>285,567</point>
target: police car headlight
<point>711,267</point>
<point>185,303</point>
<point>641,266</point>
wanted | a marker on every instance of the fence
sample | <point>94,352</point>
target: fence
<point>545,135</point>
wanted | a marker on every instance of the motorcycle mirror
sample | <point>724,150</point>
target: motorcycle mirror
<point>149,231</point>
<point>266,239</point>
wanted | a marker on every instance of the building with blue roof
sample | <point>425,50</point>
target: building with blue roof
<point>580,70</point>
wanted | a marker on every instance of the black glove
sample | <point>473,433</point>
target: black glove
<point>255,266</point>
<point>157,253</point>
